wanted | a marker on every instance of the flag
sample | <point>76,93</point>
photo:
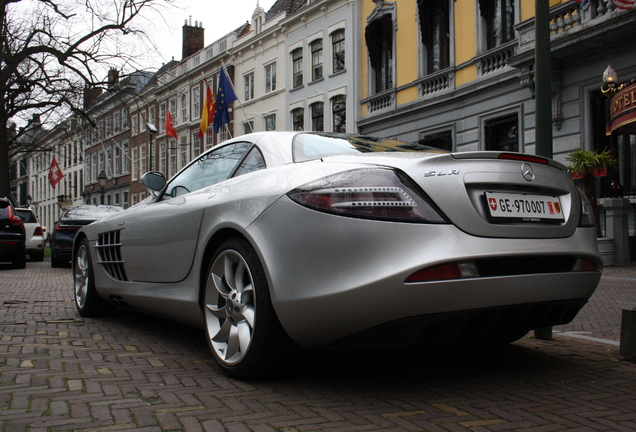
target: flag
<point>624,4</point>
<point>584,3</point>
<point>55,173</point>
<point>170,130</point>
<point>224,96</point>
<point>209,108</point>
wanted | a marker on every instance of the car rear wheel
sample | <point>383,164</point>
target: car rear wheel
<point>242,328</point>
<point>87,300</point>
<point>57,261</point>
<point>37,256</point>
<point>19,262</point>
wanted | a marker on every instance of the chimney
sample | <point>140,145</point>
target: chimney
<point>90,96</point>
<point>192,38</point>
<point>113,77</point>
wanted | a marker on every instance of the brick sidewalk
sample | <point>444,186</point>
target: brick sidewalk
<point>601,317</point>
<point>59,372</point>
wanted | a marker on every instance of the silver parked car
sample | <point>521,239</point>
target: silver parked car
<point>338,241</point>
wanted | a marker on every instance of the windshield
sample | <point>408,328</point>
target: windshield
<point>309,146</point>
<point>90,212</point>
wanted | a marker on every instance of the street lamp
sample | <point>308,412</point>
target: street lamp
<point>152,129</point>
<point>609,89</point>
<point>102,179</point>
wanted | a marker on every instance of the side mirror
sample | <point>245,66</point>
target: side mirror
<point>154,181</point>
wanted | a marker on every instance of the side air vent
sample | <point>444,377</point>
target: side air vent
<point>109,253</point>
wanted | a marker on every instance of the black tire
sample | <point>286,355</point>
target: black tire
<point>242,329</point>
<point>57,261</point>
<point>87,300</point>
<point>19,262</point>
<point>37,256</point>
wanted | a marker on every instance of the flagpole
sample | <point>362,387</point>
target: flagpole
<point>239,101</point>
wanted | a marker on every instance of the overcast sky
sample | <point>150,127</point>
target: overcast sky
<point>219,17</point>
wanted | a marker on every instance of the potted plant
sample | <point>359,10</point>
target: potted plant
<point>586,165</point>
<point>587,162</point>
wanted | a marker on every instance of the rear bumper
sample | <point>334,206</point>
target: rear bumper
<point>324,291</point>
<point>488,325</point>
<point>35,244</point>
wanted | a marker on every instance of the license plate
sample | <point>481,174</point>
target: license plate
<point>530,208</point>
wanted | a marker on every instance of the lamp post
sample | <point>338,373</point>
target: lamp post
<point>102,179</point>
<point>543,79</point>
<point>151,131</point>
<point>609,89</point>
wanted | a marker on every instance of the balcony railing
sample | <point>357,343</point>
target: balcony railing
<point>381,101</point>
<point>437,82</point>
<point>495,59</point>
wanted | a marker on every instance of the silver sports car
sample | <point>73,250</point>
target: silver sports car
<point>344,241</point>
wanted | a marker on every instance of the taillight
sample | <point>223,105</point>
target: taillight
<point>374,193</point>
<point>38,231</point>
<point>62,227</point>
<point>14,220</point>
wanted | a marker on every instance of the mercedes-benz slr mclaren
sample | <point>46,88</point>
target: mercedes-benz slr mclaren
<point>343,241</point>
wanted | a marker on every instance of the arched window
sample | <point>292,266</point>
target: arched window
<point>339,113</point>
<point>298,119</point>
<point>379,39</point>
<point>499,16</point>
<point>435,32</point>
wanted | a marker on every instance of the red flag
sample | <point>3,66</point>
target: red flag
<point>55,173</point>
<point>170,130</point>
<point>209,108</point>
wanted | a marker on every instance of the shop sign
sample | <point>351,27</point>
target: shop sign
<point>623,111</point>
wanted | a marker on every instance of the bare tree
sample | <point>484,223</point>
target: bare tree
<point>50,51</point>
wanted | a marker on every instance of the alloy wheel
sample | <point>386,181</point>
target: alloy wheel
<point>230,307</point>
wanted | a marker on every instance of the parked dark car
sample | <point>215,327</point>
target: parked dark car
<point>12,235</point>
<point>70,222</point>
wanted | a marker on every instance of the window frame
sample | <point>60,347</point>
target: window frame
<point>316,49</point>
<point>338,51</point>
<point>248,79</point>
<point>297,68</point>
<point>270,77</point>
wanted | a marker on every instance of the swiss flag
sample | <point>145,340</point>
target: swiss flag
<point>55,173</point>
<point>170,130</point>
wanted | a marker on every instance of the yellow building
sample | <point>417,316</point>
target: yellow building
<point>459,74</point>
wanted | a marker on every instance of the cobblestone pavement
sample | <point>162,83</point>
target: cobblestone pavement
<point>59,372</point>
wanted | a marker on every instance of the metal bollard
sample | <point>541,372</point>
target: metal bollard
<point>628,333</point>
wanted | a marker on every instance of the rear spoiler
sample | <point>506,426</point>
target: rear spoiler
<point>522,157</point>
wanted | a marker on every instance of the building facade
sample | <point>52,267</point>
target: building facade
<point>460,76</point>
<point>108,133</point>
<point>322,66</point>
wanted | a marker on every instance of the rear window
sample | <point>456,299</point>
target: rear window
<point>90,212</point>
<point>309,146</point>
<point>27,216</point>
